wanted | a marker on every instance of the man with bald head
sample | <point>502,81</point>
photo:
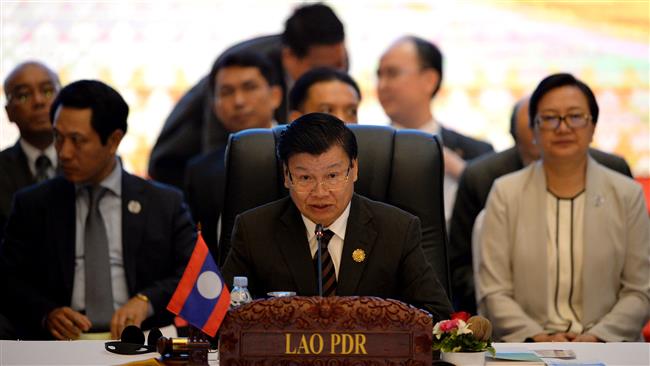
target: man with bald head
<point>474,187</point>
<point>30,89</point>
<point>409,76</point>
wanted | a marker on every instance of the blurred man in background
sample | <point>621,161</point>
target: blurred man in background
<point>325,90</point>
<point>409,77</point>
<point>313,37</point>
<point>247,92</point>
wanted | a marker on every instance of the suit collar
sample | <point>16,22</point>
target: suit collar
<point>534,219</point>
<point>135,208</point>
<point>360,237</point>
<point>292,240</point>
<point>595,211</point>
<point>63,234</point>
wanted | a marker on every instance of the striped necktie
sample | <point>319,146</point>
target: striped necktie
<point>329,275</point>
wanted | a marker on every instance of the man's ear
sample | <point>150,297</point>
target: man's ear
<point>290,62</point>
<point>276,96</point>
<point>432,78</point>
<point>354,169</point>
<point>285,170</point>
<point>114,140</point>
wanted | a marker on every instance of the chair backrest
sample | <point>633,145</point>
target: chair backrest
<point>403,168</point>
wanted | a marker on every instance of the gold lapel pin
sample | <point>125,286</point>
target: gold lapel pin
<point>134,207</point>
<point>359,255</point>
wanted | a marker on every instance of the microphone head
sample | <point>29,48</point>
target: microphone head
<point>132,334</point>
<point>152,339</point>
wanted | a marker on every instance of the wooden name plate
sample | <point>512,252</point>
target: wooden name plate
<point>339,330</point>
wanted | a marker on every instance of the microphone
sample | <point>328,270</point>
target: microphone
<point>319,238</point>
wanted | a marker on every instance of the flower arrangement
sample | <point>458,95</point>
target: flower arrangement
<point>463,333</point>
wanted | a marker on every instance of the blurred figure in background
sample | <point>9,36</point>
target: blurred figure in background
<point>30,89</point>
<point>564,244</point>
<point>473,189</point>
<point>313,36</point>
<point>247,92</point>
<point>409,77</point>
<point>325,90</point>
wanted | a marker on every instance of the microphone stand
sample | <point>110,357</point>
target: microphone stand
<point>319,239</point>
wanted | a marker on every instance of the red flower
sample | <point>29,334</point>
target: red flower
<point>462,315</point>
<point>449,325</point>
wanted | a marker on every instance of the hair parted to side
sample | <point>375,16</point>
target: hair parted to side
<point>244,59</point>
<point>429,56</point>
<point>300,90</point>
<point>312,25</point>
<point>315,134</point>
<point>557,81</point>
<point>109,110</point>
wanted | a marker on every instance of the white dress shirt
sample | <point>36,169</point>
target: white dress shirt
<point>335,246</point>
<point>33,153</point>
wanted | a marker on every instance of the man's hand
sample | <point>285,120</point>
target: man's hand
<point>65,323</point>
<point>134,312</point>
<point>454,164</point>
<point>556,337</point>
<point>586,337</point>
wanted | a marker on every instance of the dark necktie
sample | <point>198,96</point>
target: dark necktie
<point>42,164</point>
<point>329,275</point>
<point>99,291</point>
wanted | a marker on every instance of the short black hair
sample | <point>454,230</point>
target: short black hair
<point>245,59</point>
<point>429,56</point>
<point>109,110</point>
<point>314,134</point>
<point>299,91</point>
<point>312,25</point>
<point>556,81</point>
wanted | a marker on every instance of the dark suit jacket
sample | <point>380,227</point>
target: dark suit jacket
<point>205,186</point>
<point>473,189</point>
<point>465,146</point>
<point>270,247</point>
<point>14,175</point>
<point>37,258</point>
<point>192,128</point>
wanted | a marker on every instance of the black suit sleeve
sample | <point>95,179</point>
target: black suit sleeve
<point>181,236</point>
<point>466,208</point>
<point>238,260</point>
<point>420,285</point>
<point>180,138</point>
<point>20,276</point>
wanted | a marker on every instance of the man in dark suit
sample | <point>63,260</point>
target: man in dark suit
<point>313,36</point>
<point>248,93</point>
<point>96,249</point>
<point>409,77</point>
<point>30,89</point>
<point>474,187</point>
<point>368,248</point>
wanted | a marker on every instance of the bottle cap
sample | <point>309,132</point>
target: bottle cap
<point>241,281</point>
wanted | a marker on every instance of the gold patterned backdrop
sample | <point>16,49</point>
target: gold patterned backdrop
<point>495,52</point>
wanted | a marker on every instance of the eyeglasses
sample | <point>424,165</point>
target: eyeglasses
<point>26,95</point>
<point>332,182</point>
<point>573,120</point>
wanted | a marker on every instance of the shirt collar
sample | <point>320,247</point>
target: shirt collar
<point>339,225</point>
<point>432,127</point>
<point>33,153</point>
<point>112,182</point>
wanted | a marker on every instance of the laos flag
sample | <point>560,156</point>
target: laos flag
<point>201,298</point>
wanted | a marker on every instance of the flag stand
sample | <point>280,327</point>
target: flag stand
<point>198,356</point>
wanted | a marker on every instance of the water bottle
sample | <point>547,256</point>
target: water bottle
<point>239,294</point>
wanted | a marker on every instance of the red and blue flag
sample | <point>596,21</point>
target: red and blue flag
<point>201,298</point>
